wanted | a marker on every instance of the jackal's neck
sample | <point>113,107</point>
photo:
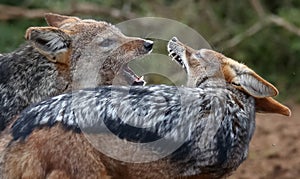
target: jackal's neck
<point>221,136</point>
<point>27,77</point>
<point>35,76</point>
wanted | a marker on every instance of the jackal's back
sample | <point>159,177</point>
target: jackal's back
<point>214,124</point>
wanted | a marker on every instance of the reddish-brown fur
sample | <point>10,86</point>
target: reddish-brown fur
<point>59,162</point>
<point>83,162</point>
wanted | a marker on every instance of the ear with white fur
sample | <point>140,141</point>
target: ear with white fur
<point>52,42</point>
<point>254,85</point>
<point>57,20</point>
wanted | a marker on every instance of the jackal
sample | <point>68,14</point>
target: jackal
<point>70,54</point>
<point>214,120</point>
<point>234,73</point>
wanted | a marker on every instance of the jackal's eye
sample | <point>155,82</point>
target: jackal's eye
<point>107,42</point>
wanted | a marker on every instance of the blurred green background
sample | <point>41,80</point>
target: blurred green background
<point>265,35</point>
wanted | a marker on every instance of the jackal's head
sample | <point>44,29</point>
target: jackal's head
<point>204,64</point>
<point>91,51</point>
<point>199,65</point>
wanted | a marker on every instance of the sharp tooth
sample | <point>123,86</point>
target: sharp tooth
<point>173,58</point>
<point>183,66</point>
<point>141,78</point>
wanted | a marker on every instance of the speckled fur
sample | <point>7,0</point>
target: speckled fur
<point>174,104</point>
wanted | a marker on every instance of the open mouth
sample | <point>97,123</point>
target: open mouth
<point>131,77</point>
<point>176,52</point>
<point>128,74</point>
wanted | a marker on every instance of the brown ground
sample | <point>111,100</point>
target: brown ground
<point>275,148</point>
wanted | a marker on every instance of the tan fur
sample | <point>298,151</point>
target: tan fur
<point>83,162</point>
<point>229,67</point>
<point>270,105</point>
<point>264,105</point>
<point>58,162</point>
<point>59,20</point>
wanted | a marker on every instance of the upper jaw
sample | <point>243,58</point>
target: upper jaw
<point>177,51</point>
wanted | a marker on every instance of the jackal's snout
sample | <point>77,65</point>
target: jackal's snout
<point>177,51</point>
<point>148,45</point>
<point>133,49</point>
<point>137,47</point>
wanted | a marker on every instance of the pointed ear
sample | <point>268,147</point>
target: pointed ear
<point>52,42</point>
<point>270,105</point>
<point>254,85</point>
<point>57,20</point>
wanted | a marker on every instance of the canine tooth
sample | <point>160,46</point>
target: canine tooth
<point>141,78</point>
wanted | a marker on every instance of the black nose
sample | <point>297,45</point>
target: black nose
<point>174,39</point>
<point>148,45</point>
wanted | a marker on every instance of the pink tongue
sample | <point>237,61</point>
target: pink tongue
<point>131,77</point>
